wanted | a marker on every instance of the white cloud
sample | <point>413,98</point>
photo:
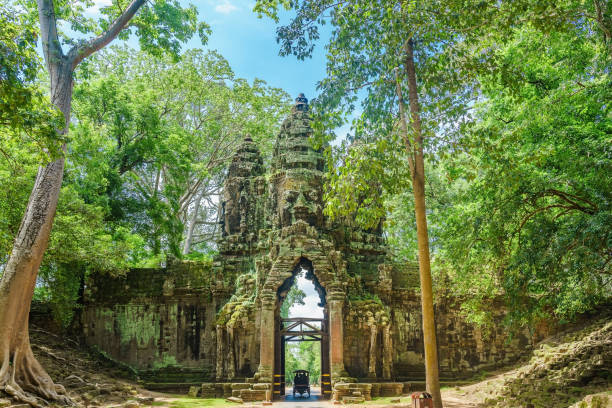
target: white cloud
<point>309,309</point>
<point>225,7</point>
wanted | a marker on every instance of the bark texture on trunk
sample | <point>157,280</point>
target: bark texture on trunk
<point>21,375</point>
<point>20,372</point>
<point>417,170</point>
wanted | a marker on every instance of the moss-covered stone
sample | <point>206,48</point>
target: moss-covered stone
<point>208,315</point>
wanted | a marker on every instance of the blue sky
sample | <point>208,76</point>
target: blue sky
<point>310,307</point>
<point>249,44</point>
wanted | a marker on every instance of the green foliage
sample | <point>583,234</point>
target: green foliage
<point>138,153</point>
<point>515,108</point>
<point>369,174</point>
<point>162,132</point>
<point>241,305</point>
<point>532,213</point>
<point>161,26</point>
<point>295,296</point>
<point>304,355</point>
<point>25,111</point>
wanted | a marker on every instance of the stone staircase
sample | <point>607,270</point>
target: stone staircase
<point>244,391</point>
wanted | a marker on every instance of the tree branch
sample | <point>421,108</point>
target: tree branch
<point>48,32</point>
<point>79,52</point>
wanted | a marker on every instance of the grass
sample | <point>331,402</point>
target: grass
<point>186,402</point>
<point>385,400</point>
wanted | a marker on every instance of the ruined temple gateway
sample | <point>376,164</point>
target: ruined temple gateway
<point>194,322</point>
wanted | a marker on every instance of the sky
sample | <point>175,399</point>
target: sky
<point>249,44</point>
<point>310,308</point>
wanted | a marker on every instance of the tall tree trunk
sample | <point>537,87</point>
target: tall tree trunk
<point>417,170</point>
<point>20,371</point>
<point>192,223</point>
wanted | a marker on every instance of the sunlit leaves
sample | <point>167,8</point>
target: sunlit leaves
<point>25,110</point>
<point>536,213</point>
<point>168,130</point>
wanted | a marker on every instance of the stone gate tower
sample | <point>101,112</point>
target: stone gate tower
<point>274,224</point>
<point>198,322</point>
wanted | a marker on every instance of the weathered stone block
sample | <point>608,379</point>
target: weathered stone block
<point>407,388</point>
<point>241,386</point>
<point>194,391</point>
<point>341,387</point>
<point>209,390</point>
<point>253,395</point>
<point>219,393</point>
<point>262,386</point>
<point>391,389</point>
<point>235,399</point>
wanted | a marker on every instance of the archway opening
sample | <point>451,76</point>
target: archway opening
<point>302,340</point>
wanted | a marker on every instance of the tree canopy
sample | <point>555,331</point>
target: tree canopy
<point>513,99</point>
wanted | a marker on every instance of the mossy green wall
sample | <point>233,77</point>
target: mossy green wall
<point>160,322</point>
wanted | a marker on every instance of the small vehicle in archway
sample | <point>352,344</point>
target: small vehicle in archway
<point>301,383</point>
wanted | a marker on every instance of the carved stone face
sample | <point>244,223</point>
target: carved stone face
<point>298,201</point>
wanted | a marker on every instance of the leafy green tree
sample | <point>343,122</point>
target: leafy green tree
<point>382,48</point>
<point>303,355</point>
<point>531,218</point>
<point>25,111</point>
<point>295,296</point>
<point>167,131</point>
<point>161,27</point>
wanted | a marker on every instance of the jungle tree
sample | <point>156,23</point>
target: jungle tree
<point>161,27</point>
<point>376,52</point>
<point>167,131</point>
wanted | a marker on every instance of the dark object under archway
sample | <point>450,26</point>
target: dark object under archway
<point>301,383</point>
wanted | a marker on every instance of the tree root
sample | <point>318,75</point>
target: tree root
<point>24,379</point>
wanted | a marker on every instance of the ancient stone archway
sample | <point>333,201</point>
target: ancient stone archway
<point>303,328</point>
<point>218,324</point>
<point>271,340</point>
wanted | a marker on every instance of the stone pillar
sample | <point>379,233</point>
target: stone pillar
<point>373,337</point>
<point>220,354</point>
<point>266,348</point>
<point>335,301</point>
<point>326,388</point>
<point>231,360</point>
<point>387,352</point>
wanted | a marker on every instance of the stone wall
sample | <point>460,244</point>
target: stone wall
<point>220,321</point>
<point>161,322</point>
<point>388,320</point>
<point>165,324</point>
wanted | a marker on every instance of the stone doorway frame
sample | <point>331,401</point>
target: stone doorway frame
<point>283,336</point>
<point>281,277</point>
